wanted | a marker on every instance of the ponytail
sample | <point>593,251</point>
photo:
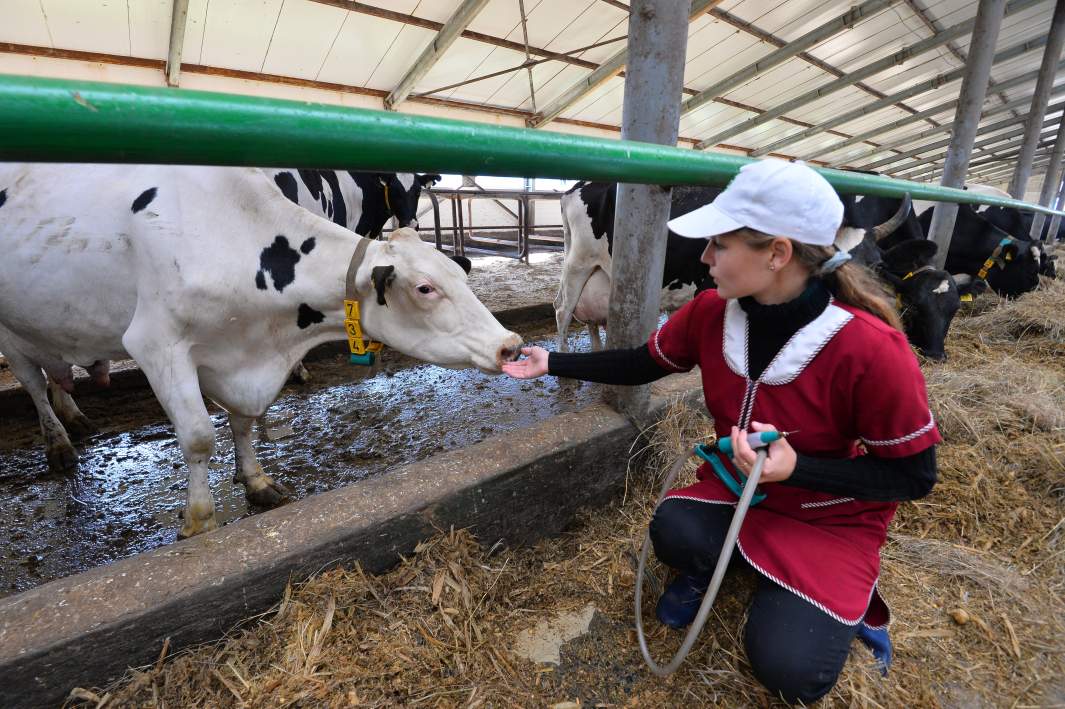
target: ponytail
<point>850,283</point>
<point>857,286</point>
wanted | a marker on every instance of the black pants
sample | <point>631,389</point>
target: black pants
<point>796,650</point>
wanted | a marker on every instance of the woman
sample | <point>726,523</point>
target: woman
<point>794,339</point>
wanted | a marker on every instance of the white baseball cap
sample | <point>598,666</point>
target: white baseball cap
<point>774,197</point>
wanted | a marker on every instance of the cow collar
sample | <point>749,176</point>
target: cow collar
<point>796,353</point>
<point>908,276</point>
<point>363,351</point>
<point>994,259</point>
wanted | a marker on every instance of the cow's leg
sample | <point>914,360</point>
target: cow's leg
<point>77,424</point>
<point>172,375</point>
<point>61,455</point>
<point>299,373</point>
<point>259,488</point>
<point>574,277</point>
<point>593,336</point>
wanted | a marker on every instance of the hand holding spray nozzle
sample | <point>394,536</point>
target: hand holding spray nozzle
<point>756,440</point>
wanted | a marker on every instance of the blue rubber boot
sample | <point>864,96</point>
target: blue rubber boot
<point>877,640</point>
<point>680,603</point>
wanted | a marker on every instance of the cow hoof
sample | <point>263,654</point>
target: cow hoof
<point>80,426</point>
<point>192,527</point>
<point>271,494</point>
<point>62,457</point>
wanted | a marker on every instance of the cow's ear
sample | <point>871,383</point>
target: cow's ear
<point>1011,250</point>
<point>428,180</point>
<point>910,255</point>
<point>382,278</point>
<point>463,261</point>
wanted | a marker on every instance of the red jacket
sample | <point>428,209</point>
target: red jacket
<point>847,384</point>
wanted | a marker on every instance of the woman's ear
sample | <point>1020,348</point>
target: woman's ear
<point>782,251</point>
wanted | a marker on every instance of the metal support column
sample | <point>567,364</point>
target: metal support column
<point>1040,97</point>
<point>970,104</point>
<point>658,39</point>
<point>178,21</point>
<point>1055,222</point>
<point>1053,176</point>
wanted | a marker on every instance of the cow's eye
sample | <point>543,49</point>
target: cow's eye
<point>425,289</point>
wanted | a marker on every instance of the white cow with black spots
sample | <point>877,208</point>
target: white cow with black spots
<point>361,201</point>
<point>216,285</point>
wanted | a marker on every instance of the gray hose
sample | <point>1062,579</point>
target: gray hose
<point>715,580</point>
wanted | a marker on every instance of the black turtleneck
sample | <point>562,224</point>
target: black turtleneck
<point>769,327</point>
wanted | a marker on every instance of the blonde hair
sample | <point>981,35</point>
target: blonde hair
<point>851,283</point>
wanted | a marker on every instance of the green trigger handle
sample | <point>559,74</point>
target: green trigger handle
<point>724,445</point>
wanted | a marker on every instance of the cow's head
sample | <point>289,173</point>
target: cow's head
<point>864,243</point>
<point>927,297</point>
<point>402,192</point>
<point>417,300</point>
<point>1017,267</point>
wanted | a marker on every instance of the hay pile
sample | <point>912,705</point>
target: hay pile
<point>975,574</point>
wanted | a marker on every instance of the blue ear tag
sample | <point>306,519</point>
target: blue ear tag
<point>366,359</point>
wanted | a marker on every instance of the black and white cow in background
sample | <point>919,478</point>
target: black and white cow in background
<point>895,249</point>
<point>927,298</point>
<point>216,286</point>
<point>588,239</point>
<point>361,201</point>
<point>1018,224</point>
<point>974,240</point>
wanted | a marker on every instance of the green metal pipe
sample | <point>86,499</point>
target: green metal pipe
<point>50,120</point>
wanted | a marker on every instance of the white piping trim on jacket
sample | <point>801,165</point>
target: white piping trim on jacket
<point>697,499</point>
<point>826,503</point>
<point>733,335</point>
<point>802,595</point>
<point>807,343</point>
<point>667,360</point>
<point>908,437</point>
<point>796,353</point>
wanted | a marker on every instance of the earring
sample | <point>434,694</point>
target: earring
<point>772,266</point>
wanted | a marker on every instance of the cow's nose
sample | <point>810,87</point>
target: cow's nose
<point>510,350</point>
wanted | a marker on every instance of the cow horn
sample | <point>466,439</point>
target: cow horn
<point>888,228</point>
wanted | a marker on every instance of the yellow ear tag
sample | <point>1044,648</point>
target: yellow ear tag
<point>356,345</point>
<point>967,298</point>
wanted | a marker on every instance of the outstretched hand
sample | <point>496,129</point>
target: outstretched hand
<point>779,463</point>
<point>534,365</point>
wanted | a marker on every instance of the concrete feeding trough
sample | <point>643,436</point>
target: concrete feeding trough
<point>517,487</point>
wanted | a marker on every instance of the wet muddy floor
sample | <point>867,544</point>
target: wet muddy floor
<point>348,423</point>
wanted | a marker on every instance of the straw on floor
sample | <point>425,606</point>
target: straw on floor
<point>974,573</point>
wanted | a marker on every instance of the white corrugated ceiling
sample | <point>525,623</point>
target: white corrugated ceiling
<point>340,47</point>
